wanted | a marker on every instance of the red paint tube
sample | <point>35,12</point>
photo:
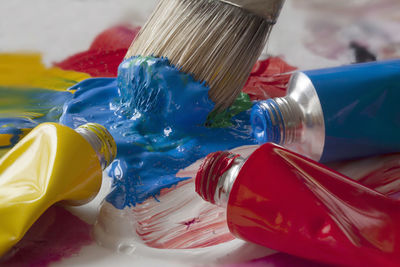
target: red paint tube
<point>284,201</point>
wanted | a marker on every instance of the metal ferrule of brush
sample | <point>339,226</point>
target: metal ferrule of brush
<point>268,9</point>
<point>226,182</point>
<point>295,121</point>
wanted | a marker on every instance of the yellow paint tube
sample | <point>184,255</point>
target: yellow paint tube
<point>52,163</point>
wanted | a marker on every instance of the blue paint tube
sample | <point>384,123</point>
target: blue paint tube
<point>335,113</point>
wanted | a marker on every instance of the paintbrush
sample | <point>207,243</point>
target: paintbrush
<point>217,41</point>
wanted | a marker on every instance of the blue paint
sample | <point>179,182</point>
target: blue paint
<point>156,115</point>
<point>360,104</point>
<point>267,124</point>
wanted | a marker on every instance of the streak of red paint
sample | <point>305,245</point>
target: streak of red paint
<point>155,225</point>
<point>105,54</point>
<point>385,179</point>
<point>56,235</point>
<point>269,78</point>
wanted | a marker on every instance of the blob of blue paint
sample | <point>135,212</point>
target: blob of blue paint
<point>156,115</point>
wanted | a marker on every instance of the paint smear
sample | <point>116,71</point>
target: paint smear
<point>177,219</point>
<point>179,222</point>
<point>269,78</point>
<point>28,71</point>
<point>56,235</point>
<point>380,173</point>
<point>182,222</point>
<point>105,54</point>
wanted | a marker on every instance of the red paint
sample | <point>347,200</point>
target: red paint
<point>278,259</point>
<point>104,55</point>
<point>214,165</point>
<point>56,235</point>
<point>181,220</point>
<point>292,204</point>
<point>268,79</point>
<point>114,38</point>
<point>385,179</point>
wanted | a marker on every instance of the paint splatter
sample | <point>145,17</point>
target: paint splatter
<point>56,235</point>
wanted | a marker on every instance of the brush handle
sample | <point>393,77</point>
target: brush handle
<point>268,9</point>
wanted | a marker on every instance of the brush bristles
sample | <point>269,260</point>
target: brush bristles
<point>216,42</point>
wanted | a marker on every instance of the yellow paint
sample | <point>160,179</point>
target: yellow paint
<point>52,163</point>
<point>28,71</point>
<point>5,139</point>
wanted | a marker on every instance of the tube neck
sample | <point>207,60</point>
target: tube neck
<point>277,120</point>
<point>216,176</point>
<point>101,141</point>
<point>295,121</point>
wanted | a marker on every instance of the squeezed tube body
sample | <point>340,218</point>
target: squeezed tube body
<point>336,113</point>
<point>52,163</point>
<point>290,203</point>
